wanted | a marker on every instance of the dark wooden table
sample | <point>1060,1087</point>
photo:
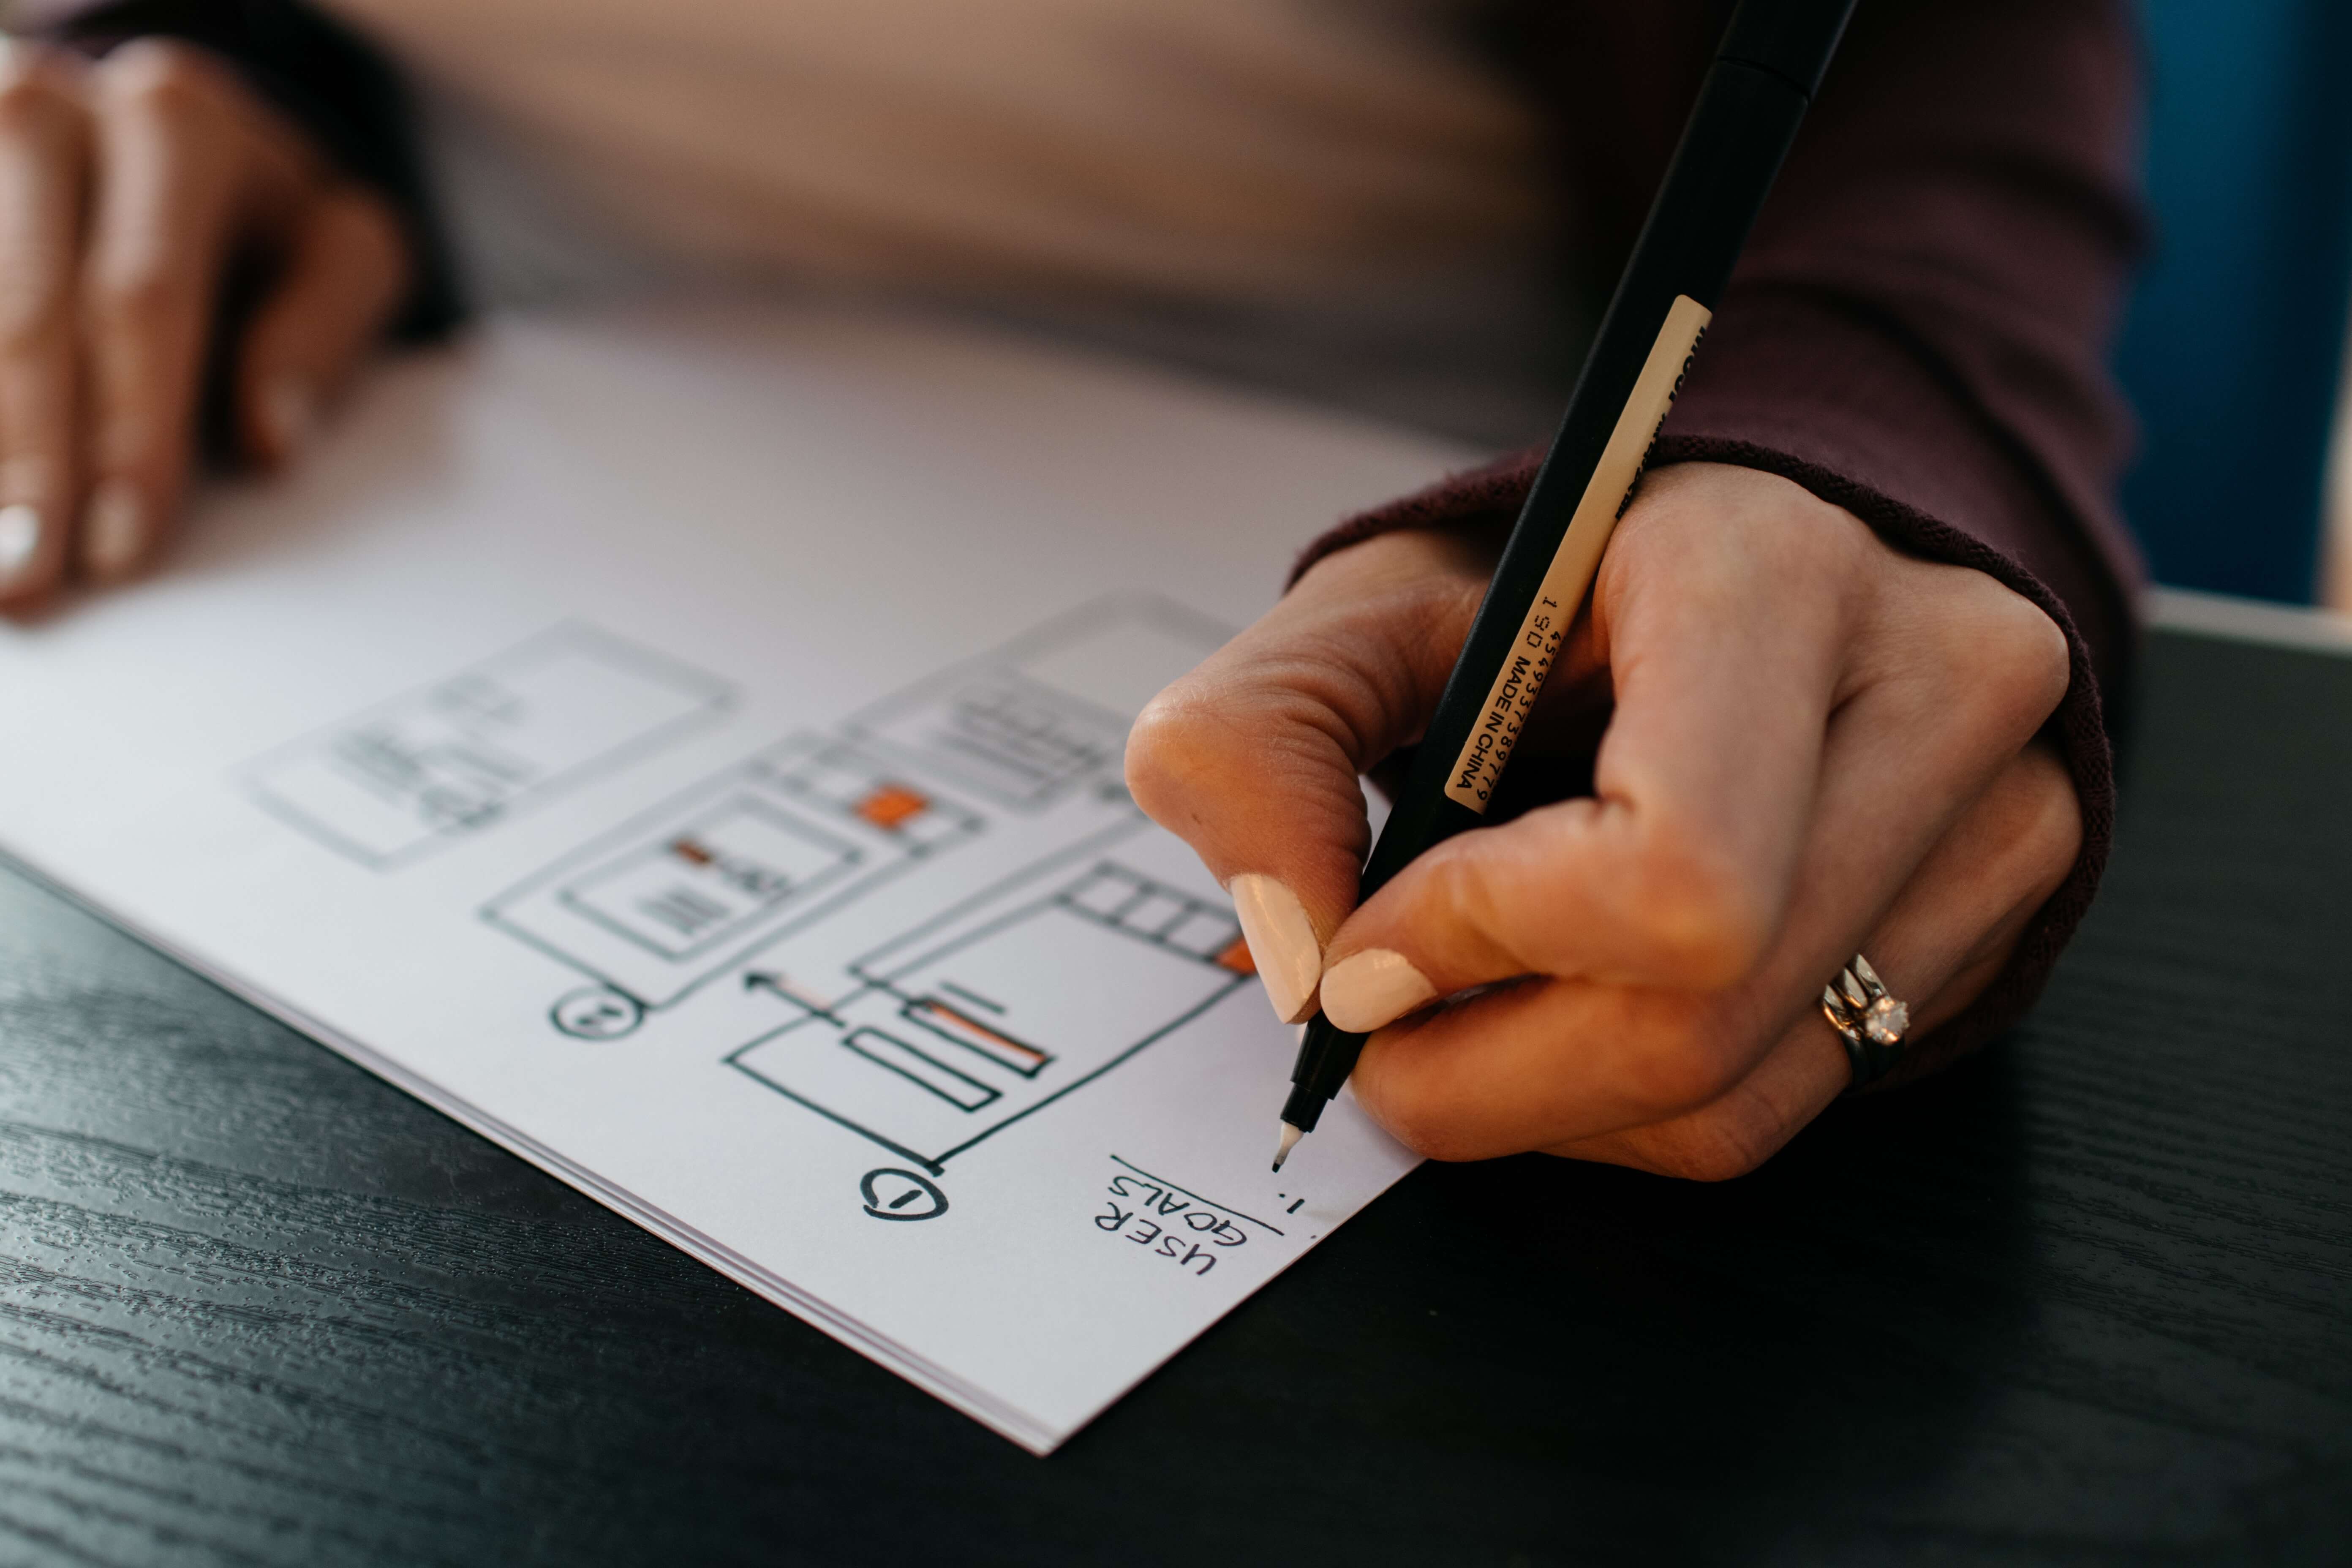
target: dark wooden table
<point>2089,1299</point>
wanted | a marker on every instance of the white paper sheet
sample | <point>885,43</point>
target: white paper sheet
<point>686,748</point>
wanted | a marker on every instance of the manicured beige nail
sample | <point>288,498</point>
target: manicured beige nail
<point>1377,986</point>
<point>20,536</point>
<point>1281,942</point>
<point>290,411</point>
<point>114,528</point>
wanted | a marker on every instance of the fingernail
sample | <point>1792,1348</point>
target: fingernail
<point>20,535</point>
<point>1281,942</point>
<point>114,530</point>
<point>1376,986</point>
<point>290,412</point>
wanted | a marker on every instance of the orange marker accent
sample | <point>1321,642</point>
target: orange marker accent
<point>891,804</point>
<point>988,1039</point>
<point>1237,957</point>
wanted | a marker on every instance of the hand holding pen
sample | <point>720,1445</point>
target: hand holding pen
<point>1779,748</point>
<point>1773,741</point>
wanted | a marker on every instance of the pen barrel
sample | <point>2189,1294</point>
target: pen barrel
<point>1326,1054</point>
<point>1739,132</point>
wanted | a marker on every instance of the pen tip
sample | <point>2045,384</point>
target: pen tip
<point>1290,1137</point>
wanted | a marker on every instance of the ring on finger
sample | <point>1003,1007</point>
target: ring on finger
<point>1869,1021</point>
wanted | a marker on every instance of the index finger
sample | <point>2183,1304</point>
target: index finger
<point>44,152</point>
<point>1254,757</point>
<point>182,171</point>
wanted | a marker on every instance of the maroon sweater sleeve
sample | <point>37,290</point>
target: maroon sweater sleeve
<point>1917,332</point>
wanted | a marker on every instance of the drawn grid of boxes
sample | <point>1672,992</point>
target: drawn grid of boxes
<point>956,911</point>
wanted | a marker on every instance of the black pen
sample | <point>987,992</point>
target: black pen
<point>1765,73</point>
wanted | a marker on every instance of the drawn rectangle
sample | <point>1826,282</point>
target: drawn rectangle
<point>1040,992</point>
<point>953,1023</point>
<point>412,775</point>
<point>1204,933</point>
<point>1029,722</point>
<point>1016,741</point>
<point>682,894</point>
<point>669,900</point>
<point>890,1051</point>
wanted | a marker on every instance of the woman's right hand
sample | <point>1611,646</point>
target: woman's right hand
<point>1772,741</point>
<point>128,189</point>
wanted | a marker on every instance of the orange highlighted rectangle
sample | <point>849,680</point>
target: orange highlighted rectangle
<point>1237,957</point>
<point>891,804</point>
<point>954,1024</point>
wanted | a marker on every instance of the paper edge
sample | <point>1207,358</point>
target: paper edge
<point>1038,1438</point>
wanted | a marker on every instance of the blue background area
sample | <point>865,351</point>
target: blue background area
<point>2235,339</point>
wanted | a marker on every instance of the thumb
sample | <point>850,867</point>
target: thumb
<point>1254,757</point>
<point>346,266</point>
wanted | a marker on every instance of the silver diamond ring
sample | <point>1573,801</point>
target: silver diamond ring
<point>1869,1020</point>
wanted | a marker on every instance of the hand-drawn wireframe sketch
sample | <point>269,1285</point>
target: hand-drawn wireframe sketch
<point>952,895</point>
<point>680,895</point>
<point>964,1026</point>
<point>391,784</point>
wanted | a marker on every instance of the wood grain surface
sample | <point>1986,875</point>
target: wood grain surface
<point>2087,1299</point>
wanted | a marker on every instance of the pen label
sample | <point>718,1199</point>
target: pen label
<point>1541,635</point>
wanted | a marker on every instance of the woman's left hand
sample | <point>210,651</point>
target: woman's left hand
<point>131,191</point>
<point>1809,745</point>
